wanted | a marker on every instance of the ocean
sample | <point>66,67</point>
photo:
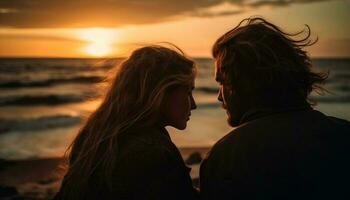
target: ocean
<point>44,101</point>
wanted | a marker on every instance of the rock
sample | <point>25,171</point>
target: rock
<point>22,198</point>
<point>7,191</point>
<point>3,164</point>
<point>194,158</point>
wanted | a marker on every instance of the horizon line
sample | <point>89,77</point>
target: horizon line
<point>120,57</point>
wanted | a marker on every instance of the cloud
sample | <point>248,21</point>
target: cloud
<point>18,36</point>
<point>114,13</point>
<point>216,14</point>
<point>258,3</point>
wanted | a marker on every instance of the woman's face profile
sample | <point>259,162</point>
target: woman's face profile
<point>178,105</point>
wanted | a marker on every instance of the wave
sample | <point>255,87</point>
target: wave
<point>51,82</point>
<point>342,76</point>
<point>343,88</point>
<point>30,124</point>
<point>210,90</point>
<point>26,100</point>
<point>69,65</point>
<point>47,69</point>
<point>208,105</point>
<point>331,99</point>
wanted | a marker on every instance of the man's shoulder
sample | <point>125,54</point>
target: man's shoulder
<point>240,132</point>
<point>339,121</point>
<point>281,127</point>
<point>331,124</point>
<point>230,140</point>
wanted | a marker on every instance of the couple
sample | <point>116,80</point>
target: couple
<point>281,148</point>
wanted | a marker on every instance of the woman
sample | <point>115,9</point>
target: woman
<point>123,151</point>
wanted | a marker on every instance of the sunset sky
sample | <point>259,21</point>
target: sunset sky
<point>110,28</point>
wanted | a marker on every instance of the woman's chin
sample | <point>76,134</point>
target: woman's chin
<point>181,126</point>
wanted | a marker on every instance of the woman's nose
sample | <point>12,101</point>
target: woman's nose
<point>220,95</point>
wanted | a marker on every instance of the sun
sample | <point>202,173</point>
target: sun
<point>100,41</point>
<point>98,49</point>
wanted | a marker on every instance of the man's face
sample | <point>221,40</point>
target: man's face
<point>228,97</point>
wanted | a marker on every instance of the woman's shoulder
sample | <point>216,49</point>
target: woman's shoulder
<point>139,148</point>
<point>135,158</point>
<point>141,142</point>
<point>146,137</point>
<point>149,146</point>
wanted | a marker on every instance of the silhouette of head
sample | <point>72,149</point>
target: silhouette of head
<point>260,66</point>
<point>148,82</point>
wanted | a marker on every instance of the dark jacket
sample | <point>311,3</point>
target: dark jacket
<point>295,153</point>
<point>148,166</point>
<point>151,167</point>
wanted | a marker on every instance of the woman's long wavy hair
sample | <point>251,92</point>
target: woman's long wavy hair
<point>134,98</point>
<point>270,65</point>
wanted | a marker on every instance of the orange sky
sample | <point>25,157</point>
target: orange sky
<point>95,28</point>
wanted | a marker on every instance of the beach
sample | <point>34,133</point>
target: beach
<point>41,178</point>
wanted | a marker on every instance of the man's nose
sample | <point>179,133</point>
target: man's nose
<point>220,95</point>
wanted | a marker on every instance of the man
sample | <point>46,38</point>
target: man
<point>281,148</point>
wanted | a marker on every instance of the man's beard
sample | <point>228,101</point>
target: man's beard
<point>232,119</point>
<point>235,110</point>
